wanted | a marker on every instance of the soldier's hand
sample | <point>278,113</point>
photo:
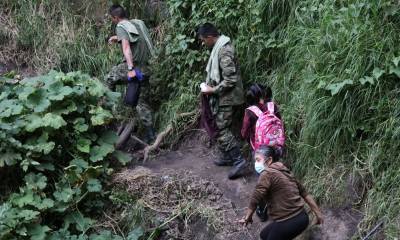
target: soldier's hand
<point>131,74</point>
<point>112,40</point>
<point>205,89</point>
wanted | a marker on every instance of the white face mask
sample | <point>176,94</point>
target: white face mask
<point>259,167</point>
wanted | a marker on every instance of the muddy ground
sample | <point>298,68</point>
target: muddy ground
<point>229,199</point>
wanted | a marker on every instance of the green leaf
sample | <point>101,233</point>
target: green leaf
<point>80,125</point>
<point>336,87</point>
<point>377,73</point>
<point>83,145</point>
<point>94,185</point>
<point>22,199</point>
<point>104,235</point>
<point>100,116</point>
<point>34,122</point>
<point>38,232</point>
<point>395,70</point>
<point>57,91</point>
<point>122,157</point>
<point>108,137</point>
<point>53,121</point>
<point>135,234</point>
<point>46,203</point>
<point>396,61</point>
<point>36,181</point>
<point>40,144</point>
<point>10,108</point>
<point>10,158</point>
<point>97,153</point>
<point>82,224</point>
<point>28,215</point>
<point>38,101</point>
<point>64,194</point>
<point>80,163</point>
<point>366,80</point>
<point>45,166</point>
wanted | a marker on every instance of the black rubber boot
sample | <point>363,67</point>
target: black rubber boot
<point>224,160</point>
<point>240,164</point>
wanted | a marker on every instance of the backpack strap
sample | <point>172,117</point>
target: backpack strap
<point>255,110</point>
<point>271,107</point>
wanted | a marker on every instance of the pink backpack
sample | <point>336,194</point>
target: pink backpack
<point>269,128</point>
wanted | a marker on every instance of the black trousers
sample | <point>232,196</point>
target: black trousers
<point>286,230</point>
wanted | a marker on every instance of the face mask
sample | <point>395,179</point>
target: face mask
<point>259,167</point>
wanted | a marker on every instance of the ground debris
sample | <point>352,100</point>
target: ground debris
<point>201,210</point>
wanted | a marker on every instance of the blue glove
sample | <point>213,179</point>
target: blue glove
<point>139,75</point>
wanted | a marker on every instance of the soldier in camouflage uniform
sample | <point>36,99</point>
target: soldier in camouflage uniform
<point>137,49</point>
<point>225,92</point>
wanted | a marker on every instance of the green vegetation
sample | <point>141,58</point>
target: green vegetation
<point>333,66</point>
<point>55,155</point>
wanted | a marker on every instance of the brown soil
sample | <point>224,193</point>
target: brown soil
<point>193,157</point>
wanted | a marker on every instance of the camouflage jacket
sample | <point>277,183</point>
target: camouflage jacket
<point>230,89</point>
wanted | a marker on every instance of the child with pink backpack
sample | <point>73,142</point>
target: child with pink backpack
<point>262,123</point>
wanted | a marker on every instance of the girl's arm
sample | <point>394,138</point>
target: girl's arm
<point>314,207</point>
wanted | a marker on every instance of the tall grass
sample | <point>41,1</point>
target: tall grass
<point>332,66</point>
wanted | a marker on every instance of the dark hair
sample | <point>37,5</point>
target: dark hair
<point>267,93</point>
<point>117,10</point>
<point>207,29</point>
<point>254,94</point>
<point>267,151</point>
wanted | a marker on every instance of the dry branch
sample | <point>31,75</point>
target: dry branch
<point>163,134</point>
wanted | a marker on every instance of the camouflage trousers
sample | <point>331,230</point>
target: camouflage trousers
<point>223,118</point>
<point>118,75</point>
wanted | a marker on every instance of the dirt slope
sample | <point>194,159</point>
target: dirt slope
<point>194,156</point>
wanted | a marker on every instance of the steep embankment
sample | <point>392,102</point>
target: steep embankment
<point>334,69</point>
<point>333,66</point>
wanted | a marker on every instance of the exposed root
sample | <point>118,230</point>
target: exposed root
<point>164,134</point>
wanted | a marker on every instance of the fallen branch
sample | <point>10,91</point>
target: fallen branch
<point>163,134</point>
<point>157,142</point>
<point>373,231</point>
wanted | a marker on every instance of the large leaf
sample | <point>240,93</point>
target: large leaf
<point>83,145</point>
<point>9,157</point>
<point>94,185</point>
<point>38,101</point>
<point>122,157</point>
<point>80,125</point>
<point>35,181</point>
<point>100,116</point>
<point>10,108</point>
<point>336,87</point>
<point>377,73</point>
<point>98,153</point>
<point>76,218</point>
<point>38,232</point>
<point>135,234</point>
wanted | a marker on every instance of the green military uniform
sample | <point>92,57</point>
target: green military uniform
<point>227,97</point>
<point>142,50</point>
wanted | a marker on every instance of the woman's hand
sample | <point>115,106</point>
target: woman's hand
<point>245,221</point>
<point>320,218</point>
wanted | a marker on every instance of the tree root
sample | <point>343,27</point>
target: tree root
<point>124,132</point>
<point>160,137</point>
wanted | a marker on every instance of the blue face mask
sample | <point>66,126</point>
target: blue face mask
<point>259,167</point>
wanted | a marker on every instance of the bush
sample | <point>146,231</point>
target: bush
<point>53,137</point>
